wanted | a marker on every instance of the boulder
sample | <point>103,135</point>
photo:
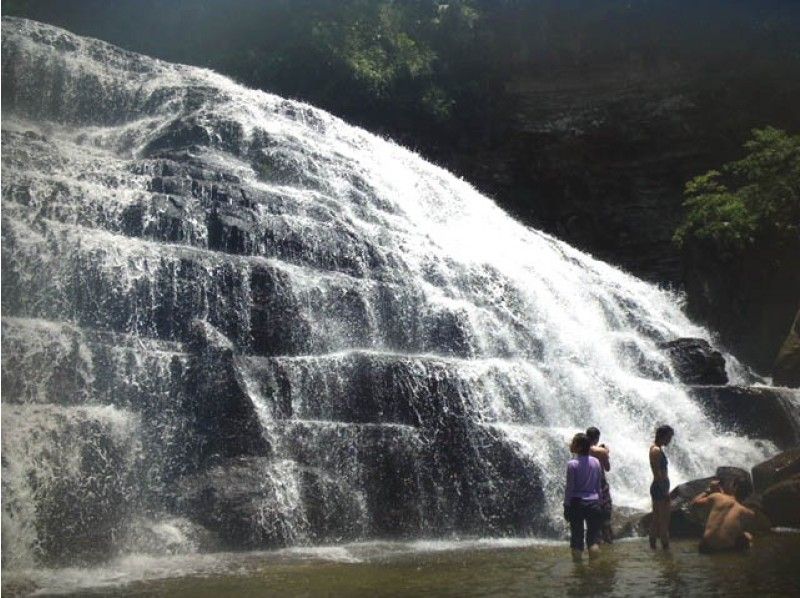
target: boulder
<point>229,499</point>
<point>740,477</point>
<point>626,522</point>
<point>248,503</point>
<point>761,523</point>
<point>777,469</point>
<point>224,422</point>
<point>695,361</point>
<point>687,520</point>
<point>782,502</point>
<point>786,371</point>
<point>759,412</point>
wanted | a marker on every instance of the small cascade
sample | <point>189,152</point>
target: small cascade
<point>232,321</point>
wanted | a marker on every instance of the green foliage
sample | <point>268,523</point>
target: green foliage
<point>755,200</point>
<point>395,52</point>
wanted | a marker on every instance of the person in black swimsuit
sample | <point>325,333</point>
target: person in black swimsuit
<point>659,489</point>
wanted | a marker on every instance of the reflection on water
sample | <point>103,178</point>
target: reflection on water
<point>513,567</point>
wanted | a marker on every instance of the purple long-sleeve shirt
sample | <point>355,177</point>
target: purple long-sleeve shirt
<point>584,474</point>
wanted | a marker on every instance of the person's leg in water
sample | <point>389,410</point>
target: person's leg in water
<point>654,519</point>
<point>744,541</point>
<point>607,533</point>
<point>576,530</point>
<point>663,525</point>
<point>594,524</point>
<point>659,523</point>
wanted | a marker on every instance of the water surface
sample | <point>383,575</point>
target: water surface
<point>512,567</point>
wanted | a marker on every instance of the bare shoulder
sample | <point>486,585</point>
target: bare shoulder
<point>599,451</point>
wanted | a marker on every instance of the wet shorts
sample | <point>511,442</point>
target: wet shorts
<point>659,490</point>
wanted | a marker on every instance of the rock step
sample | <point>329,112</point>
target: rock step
<point>220,216</point>
<point>99,280</point>
<point>759,412</point>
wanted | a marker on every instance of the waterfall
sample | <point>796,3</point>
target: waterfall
<point>231,320</point>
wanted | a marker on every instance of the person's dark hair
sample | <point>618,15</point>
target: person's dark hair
<point>581,444</point>
<point>664,433</point>
<point>593,434</point>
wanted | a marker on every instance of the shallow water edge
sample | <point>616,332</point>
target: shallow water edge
<point>479,567</point>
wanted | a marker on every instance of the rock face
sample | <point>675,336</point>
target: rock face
<point>777,469</point>
<point>758,412</point>
<point>735,477</point>
<point>687,520</point>
<point>230,309</point>
<point>782,502</point>
<point>696,361</point>
<point>777,482</point>
<point>786,371</point>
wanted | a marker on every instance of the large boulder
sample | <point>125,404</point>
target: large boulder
<point>695,361</point>
<point>761,522</point>
<point>688,520</point>
<point>626,522</point>
<point>247,502</point>
<point>759,412</point>
<point>782,502</point>
<point>223,419</point>
<point>777,469</point>
<point>786,371</point>
<point>736,477</point>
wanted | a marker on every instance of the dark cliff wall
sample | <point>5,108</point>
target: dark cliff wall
<point>584,119</point>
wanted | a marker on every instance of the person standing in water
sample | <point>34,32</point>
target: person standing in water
<point>659,489</point>
<point>603,454</point>
<point>582,498</point>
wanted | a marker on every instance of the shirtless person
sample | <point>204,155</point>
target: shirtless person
<point>602,453</point>
<point>726,520</point>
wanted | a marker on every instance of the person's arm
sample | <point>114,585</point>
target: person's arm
<point>606,460</point>
<point>702,499</point>
<point>705,496</point>
<point>602,453</point>
<point>599,488</point>
<point>655,465</point>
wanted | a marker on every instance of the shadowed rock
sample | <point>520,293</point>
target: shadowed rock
<point>777,469</point>
<point>786,371</point>
<point>735,477</point>
<point>782,502</point>
<point>695,361</point>
<point>759,412</point>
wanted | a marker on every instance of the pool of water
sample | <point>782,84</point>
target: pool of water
<point>511,567</point>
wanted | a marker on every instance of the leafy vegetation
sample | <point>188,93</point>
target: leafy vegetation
<point>755,200</point>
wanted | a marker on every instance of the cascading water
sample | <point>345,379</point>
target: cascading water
<point>232,320</point>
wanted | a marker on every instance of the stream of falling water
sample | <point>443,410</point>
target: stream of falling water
<point>375,305</point>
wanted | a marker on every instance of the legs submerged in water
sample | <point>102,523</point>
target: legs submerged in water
<point>659,524</point>
<point>608,534</point>
<point>742,542</point>
<point>664,524</point>
<point>591,514</point>
<point>594,528</point>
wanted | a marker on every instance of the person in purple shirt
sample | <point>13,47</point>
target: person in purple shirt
<point>582,498</point>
